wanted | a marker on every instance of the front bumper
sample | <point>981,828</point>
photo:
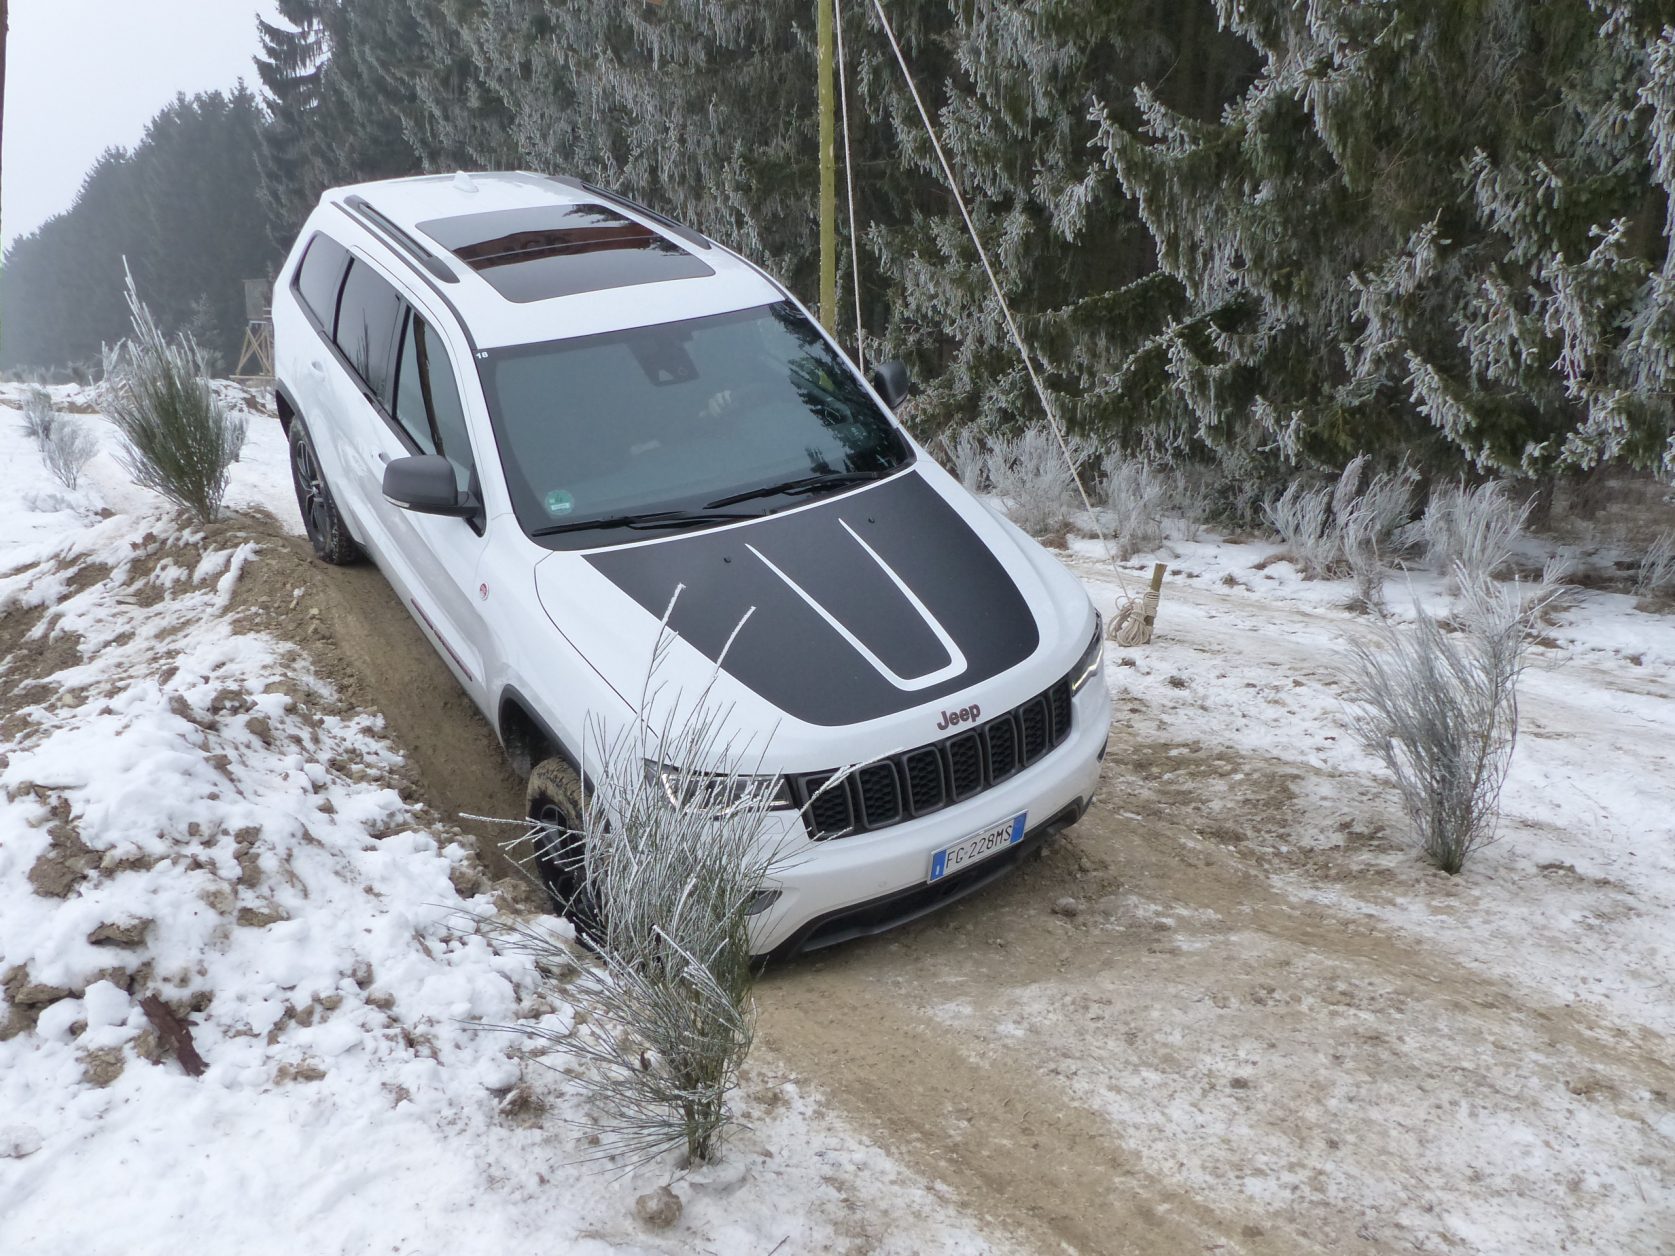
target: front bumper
<point>850,887</point>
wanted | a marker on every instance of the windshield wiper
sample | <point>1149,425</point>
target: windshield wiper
<point>808,484</point>
<point>660,519</point>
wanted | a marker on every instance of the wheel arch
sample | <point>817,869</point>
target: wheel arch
<point>526,737</point>
<point>285,406</point>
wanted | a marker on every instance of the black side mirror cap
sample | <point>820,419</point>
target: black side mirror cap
<point>892,382</point>
<point>425,484</point>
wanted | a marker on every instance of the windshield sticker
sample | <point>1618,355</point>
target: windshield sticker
<point>560,502</point>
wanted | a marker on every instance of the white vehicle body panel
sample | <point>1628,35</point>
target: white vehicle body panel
<point>567,634</point>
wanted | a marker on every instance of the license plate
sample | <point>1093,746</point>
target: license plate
<point>977,847</point>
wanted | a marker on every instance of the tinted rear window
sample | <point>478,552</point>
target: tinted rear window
<point>366,322</point>
<point>320,276</point>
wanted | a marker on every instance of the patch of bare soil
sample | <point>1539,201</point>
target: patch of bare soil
<point>26,659</point>
<point>364,643</point>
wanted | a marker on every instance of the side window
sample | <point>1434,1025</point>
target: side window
<point>410,408</point>
<point>366,325</point>
<point>319,277</point>
<point>427,401</point>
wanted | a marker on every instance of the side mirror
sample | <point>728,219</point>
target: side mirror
<point>892,382</point>
<point>425,484</point>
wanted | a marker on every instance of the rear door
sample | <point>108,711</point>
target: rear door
<point>314,372</point>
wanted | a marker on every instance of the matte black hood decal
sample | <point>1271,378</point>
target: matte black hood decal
<point>858,608</point>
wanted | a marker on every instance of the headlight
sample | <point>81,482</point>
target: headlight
<point>1093,658</point>
<point>719,793</point>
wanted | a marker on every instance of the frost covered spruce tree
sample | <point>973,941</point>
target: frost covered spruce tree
<point>1424,223</point>
<point>1011,86</point>
<point>704,109</point>
<point>707,109</point>
<point>338,82</point>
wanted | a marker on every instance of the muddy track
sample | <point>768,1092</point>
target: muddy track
<point>925,1038</point>
<point>991,1114</point>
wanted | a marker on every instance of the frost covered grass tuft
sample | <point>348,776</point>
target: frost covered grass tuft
<point>1441,710</point>
<point>178,438</point>
<point>1656,577</point>
<point>1473,530</point>
<point>966,457</point>
<point>1349,527</point>
<point>38,415</point>
<point>1138,495</point>
<point>1301,516</point>
<point>1029,473</point>
<point>67,451</point>
<point>673,862</point>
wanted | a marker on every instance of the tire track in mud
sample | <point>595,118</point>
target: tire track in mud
<point>1001,1123</point>
<point>984,1112</point>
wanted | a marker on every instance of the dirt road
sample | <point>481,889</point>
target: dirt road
<point>1179,1029</point>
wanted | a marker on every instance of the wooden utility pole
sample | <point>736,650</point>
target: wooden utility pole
<point>828,166</point>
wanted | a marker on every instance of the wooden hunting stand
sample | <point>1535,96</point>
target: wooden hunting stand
<point>258,333</point>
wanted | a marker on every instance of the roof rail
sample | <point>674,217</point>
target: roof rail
<point>695,238</point>
<point>418,252</point>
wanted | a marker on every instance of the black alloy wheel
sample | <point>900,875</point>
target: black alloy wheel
<point>320,517</point>
<point>556,797</point>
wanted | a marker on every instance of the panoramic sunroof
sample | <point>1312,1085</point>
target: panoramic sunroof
<point>550,251</point>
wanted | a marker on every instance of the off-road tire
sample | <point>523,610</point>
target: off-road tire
<point>320,517</point>
<point>556,796</point>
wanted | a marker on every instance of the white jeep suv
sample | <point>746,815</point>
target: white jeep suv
<point>544,411</point>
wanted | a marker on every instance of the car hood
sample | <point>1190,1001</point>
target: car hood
<point>854,610</point>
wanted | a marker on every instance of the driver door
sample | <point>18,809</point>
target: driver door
<point>441,555</point>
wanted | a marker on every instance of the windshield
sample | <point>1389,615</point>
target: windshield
<point>679,416</point>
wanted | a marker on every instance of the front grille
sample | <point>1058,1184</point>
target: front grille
<point>965,759</point>
<point>1037,733</point>
<point>827,811</point>
<point>880,798</point>
<point>1002,738</point>
<point>919,781</point>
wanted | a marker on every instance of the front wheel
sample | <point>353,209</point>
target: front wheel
<point>557,797</point>
<point>320,517</point>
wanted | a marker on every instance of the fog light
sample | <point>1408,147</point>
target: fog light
<point>761,901</point>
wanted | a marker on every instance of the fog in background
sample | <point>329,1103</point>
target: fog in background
<point>86,75</point>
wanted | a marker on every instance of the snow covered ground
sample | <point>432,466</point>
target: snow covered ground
<point>1262,1024</point>
<point>1247,658</point>
<point>190,812</point>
